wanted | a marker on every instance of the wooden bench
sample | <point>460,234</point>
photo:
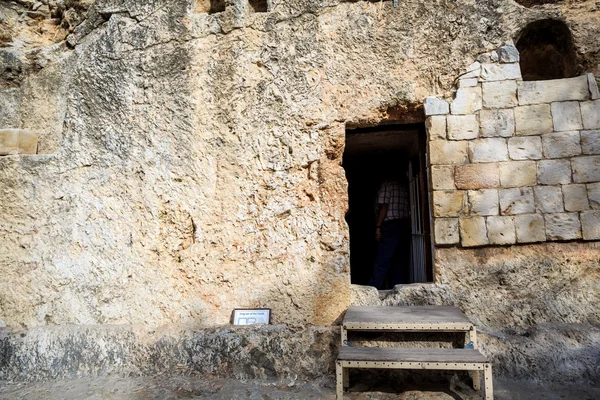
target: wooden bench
<point>439,359</point>
<point>413,319</point>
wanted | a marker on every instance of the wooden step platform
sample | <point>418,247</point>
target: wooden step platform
<point>417,318</point>
<point>411,319</point>
<point>397,358</point>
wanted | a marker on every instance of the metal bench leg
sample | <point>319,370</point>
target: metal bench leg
<point>475,374</point>
<point>339,381</point>
<point>487,378</point>
<point>346,375</point>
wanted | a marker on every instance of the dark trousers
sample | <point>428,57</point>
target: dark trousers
<point>395,236</point>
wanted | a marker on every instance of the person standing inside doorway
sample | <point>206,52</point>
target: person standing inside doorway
<point>392,232</point>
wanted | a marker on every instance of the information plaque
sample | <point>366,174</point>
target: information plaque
<point>251,316</point>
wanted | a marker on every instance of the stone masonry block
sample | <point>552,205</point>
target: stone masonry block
<point>575,197</point>
<point>516,201</point>
<point>548,199</point>
<point>593,191</point>
<point>448,203</point>
<point>488,150</point>
<point>590,113</point>
<point>462,127</point>
<point>508,54</point>
<point>590,225</point>
<point>553,172</point>
<point>533,120</point>
<point>469,82</point>
<point>442,177</point>
<point>467,101</point>
<point>477,176</point>
<point>586,169</point>
<point>593,86</point>
<point>473,232</point>
<point>530,228</point>
<point>435,106</point>
<point>566,116</point>
<point>483,202</point>
<point>18,141</point>
<point>472,71</point>
<point>443,152</point>
<point>525,148</point>
<point>590,142</point>
<point>494,123</point>
<point>561,144</point>
<point>517,173</point>
<point>501,230</point>
<point>436,127</point>
<point>562,226</point>
<point>501,94</point>
<point>500,72</point>
<point>446,231</point>
<point>536,92</point>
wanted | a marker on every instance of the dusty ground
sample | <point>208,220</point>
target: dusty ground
<point>187,387</point>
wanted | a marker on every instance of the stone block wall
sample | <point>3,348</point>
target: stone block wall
<point>514,161</point>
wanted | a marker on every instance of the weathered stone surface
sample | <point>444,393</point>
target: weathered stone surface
<point>477,176</point>
<point>473,232</point>
<point>575,197</point>
<point>590,113</point>
<point>472,71</point>
<point>553,172</point>
<point>436,127</point>
<point>499,72</point>
<point>488,150</point>
<point>533,120</point>
<point>593,86</point>
<point>435,106</point>
<point>530,228</point>
<point>255,352</point>
<point>494,123</point>
<point>548,199</point>
<point>566,116</point>
<point>508,54</point>
<point>483,202</point>
<point>517,173</point>
<point>525,148</point>
<point>561,144</point>
<point>536,92</point>
<point>448,203</point>
<point>516,201</point>
<point>462,127</point>
<point>467,101</point>
<point>502,94</point>
<point>18,141</point>
<point>586,169</point>
<point>562,226</point>
<point>443,152</point>
<point>590,142</point>
<point>501,230</point>
<point>468,82</point>
<point>442,177</point>
<point>446,231</point>
<point>593,191</point>
<point>590,225</point>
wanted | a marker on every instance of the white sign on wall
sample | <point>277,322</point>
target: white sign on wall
<point>251,317</point>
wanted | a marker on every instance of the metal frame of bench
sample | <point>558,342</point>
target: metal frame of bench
<point>454,321</point>
<point>342,366</point>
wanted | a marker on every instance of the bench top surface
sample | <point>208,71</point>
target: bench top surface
<point>411,355</point>
<point>405,315</point>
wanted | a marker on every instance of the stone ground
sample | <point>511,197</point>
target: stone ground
<point>166,387</point>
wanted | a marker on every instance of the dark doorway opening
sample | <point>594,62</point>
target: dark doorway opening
<point>373,155</point>
<point>547,51</point>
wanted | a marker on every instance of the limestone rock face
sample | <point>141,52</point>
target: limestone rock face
<point>189,160</point>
